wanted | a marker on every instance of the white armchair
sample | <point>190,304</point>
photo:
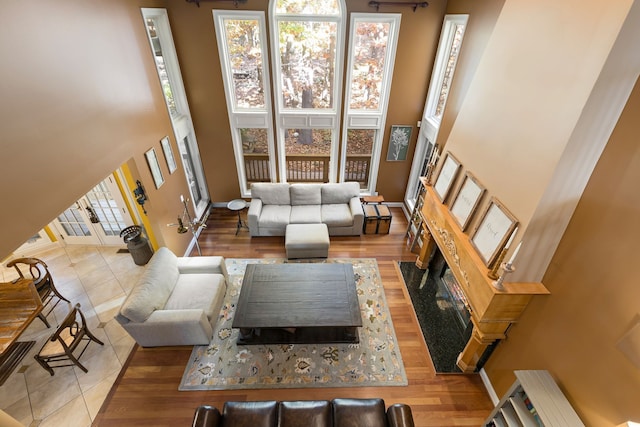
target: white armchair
<point>177,300</point>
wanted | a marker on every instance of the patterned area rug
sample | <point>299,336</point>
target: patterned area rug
<point>375,361</point>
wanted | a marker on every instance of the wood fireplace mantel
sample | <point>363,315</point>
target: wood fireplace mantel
<point>492,310</point>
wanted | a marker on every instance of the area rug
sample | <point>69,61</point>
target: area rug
<point>374,361</point>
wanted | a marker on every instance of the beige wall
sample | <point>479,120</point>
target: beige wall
<point>80,98</point>
<point>482,19</point>
<point>594,293</point>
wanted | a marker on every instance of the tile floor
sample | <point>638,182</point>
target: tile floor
<point>98,278</point>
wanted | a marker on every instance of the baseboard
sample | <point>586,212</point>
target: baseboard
<point>487,384</point>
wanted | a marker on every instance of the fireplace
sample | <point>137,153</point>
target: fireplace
<point>450,295</point>
<point>493,309</point>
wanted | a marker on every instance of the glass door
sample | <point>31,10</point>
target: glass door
<point>95,219</point>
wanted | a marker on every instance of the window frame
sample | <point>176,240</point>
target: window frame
<point>181,121</point>
<point>370,119</point>
<point>240,118</point>
<point>287,118</point>
<point>430,126</point>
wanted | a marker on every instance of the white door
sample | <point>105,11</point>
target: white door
<point>95,219</point>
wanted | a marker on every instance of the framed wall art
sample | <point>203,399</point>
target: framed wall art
<point>466,201</point>
<point>154,167</point>
<point>493,230</point>
<point>399,139</point>
<point>168,154</point>
<point>446,177</point>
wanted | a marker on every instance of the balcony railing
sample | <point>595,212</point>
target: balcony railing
<point>256,167</point>
<point>308,168</point>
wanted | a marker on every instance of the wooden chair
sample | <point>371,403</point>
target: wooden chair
<point>58,351</point>
<point>36,270</point>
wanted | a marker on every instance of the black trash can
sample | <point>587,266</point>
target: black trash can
<point>138,246</point>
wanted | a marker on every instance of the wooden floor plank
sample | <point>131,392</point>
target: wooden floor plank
<point>146,393</point>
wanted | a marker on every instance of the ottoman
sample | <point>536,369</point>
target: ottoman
<point>306,241</point>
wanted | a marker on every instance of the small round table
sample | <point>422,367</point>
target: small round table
<point>238,205</point>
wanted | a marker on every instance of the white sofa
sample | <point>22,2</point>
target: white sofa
<point>177,300</point>
<point>275,205</point>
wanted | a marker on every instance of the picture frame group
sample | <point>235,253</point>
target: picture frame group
<point>154,163</point>
<point>495,223</point>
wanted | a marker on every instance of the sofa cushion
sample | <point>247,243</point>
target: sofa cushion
<point>337,215</point>
<point>308,413</point>
<point>198,291</point>
<point>305,214</point>
<point>274,216</point>
<point>305,194</point>
<point>339,193</point>
<point>154,287</point>
<point>271,193</point>
<point>359,412</point>
<point>254,414</point>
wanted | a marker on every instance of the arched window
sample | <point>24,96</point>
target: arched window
<point>308,40</point>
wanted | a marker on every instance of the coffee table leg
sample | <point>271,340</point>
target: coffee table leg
<point>245,335</point>
<point>351,334</point>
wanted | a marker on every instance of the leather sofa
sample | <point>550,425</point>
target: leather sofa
<point>176,301</point>
<point>307,413</point>
<point>276,205</point>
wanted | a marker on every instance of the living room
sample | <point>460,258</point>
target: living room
<point>82,99</point>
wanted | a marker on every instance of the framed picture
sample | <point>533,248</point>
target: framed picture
<point>168,154</point>
<point>466,200</point>
<point>491,234</point>
<point>446,177</point>
<point>399,139</point>
<point>154,167</point>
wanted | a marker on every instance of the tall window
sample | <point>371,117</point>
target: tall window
<point>243,55</point>
<point>373,41</point>
<point>306,45</point>
<point>444,68</point>
<point>308,39</point>
<point>164,52</point>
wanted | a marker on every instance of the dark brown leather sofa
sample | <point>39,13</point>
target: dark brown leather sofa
<point>306,413</point>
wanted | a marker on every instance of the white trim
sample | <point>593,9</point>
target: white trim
<point>285,116</point>
<point>442,55</point>
<point>245,117</point>
<point>364,119</point>
<point>487,384</point>
<point>363,122</point>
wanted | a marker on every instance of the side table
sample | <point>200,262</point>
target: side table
<point>238,205</point>
<point>372,199</point>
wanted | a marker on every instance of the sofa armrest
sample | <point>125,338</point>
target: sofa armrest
<point>172,327</point>
<point>206,416</point>
<point>357,212</point>
<point>202,264</point>
<point>399,415</point>
<point>255,208</point>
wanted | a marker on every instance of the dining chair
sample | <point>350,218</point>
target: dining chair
<point>61,348</point>
<point>36,270</point>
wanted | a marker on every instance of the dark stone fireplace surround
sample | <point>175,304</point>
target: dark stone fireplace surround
<point>444,321</point>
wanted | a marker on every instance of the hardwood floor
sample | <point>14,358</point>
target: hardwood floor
<point>146,393</point>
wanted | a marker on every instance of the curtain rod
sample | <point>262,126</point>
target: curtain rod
<point>235,2</point>
<point>415,5</point>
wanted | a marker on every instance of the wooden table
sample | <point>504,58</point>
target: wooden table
<point>298,303</point>
<point>19,305</point>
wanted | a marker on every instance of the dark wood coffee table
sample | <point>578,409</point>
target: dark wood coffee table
<point>297,303</point>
